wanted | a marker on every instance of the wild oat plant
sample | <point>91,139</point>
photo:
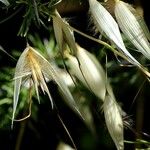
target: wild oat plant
<point>72,67</point>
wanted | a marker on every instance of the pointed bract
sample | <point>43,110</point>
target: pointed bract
<point>113,118</point>
<point>33,64</point>
<point>92,75</point>
<point>90,72</point>
<point>106,23</point>
<point>133,26</point>
<point>58,32</point>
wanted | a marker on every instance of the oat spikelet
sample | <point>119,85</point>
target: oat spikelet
<point>90,72</point>
<point>113,118</point>
<point>35,67</point>
<point>133,26</point>
<point>63,34</point>
<point>106,23</point>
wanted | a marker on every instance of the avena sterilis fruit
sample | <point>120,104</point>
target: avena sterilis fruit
<point>63,34</point>
<point>114,121</point>
<point>32,66</point>
<point>113,118</point>
<point>90,72</point>
<point>106,24</point>
<point>133,26</point>
<point>92,75</point>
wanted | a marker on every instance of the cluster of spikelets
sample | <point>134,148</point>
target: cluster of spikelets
<point>131,24</point>
<point>34,68</point>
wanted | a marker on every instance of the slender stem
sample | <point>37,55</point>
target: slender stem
<point>1,48</point>
<point>20,135</point>
<point>67,131</point>
<point>11,16</point>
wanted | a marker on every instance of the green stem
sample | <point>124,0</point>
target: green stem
<point>20,135</point>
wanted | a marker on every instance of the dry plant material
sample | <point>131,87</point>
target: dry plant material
<point>91,74</point>
<point>63,34</point>
<point>133,26</point>
<point>88,71</point>
<point>113,118</point>
<point>106,23</point>
<point>34,67</point>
